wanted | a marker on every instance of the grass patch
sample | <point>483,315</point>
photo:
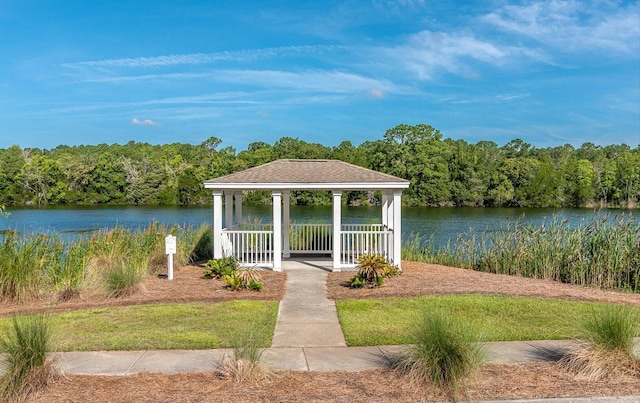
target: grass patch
<point>161,326</point>
<point>389,320</point>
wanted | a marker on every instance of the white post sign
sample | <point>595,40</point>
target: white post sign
<point>170,247</point>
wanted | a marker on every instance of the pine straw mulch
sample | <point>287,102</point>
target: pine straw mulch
<point>188,285</point>
<point>493,381</point>
<point>431,279</point>
<point>514,381</point>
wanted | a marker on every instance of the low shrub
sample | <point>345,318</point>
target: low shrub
<point>218,268</point>
<point>228,270</point>
<point>27,368</point>
<point>242,279</point>
<point>446,352</point>
<point>372,270</point>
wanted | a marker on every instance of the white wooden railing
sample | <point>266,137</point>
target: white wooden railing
<point>357,243</point>
<point>252,244</point>
<point>249,247</point>
<point>310,238</point>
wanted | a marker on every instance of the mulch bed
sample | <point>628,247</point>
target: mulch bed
<point>494,381</point>
<point>536,380</point>
<point>430,279</point>
<point>188,285</point>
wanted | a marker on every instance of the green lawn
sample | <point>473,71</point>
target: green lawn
<point>161,326</point>
<point>390,320</point>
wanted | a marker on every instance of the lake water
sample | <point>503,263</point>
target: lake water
<point>438,224</point>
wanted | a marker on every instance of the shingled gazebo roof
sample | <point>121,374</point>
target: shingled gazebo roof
<point>307,174</point>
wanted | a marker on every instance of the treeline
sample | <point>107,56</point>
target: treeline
<point>443,172</point>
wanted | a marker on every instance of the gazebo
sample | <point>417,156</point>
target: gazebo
<point>266,244</point>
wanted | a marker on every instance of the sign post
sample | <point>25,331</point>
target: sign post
<point>170,248</point>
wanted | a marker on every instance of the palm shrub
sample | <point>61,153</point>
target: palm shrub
<point>228,270</point>
<point>372,270</point>
<point>218,268</point>
<point>241,279</point>
<point>605,345</point>
<point>26,367</point>
<point>445,353</point>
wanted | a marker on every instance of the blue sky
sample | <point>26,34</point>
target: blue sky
<point>88,72</point>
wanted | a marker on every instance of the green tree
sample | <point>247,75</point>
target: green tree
<point>580,181</point>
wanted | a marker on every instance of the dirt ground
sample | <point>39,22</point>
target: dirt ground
<point>531,380</point>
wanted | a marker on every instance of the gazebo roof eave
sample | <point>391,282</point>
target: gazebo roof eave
<point>308,186</point>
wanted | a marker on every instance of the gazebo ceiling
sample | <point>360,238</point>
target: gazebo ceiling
<point>307,175</point>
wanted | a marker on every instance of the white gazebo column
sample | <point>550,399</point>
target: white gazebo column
<point>277,230</point>
<point>286,224</point>
<point>385,210</point>
<point>238,197</point>
<point>337,224</point>
<point>397,228</point>
<point>228,209</point>
<point>217,224</point>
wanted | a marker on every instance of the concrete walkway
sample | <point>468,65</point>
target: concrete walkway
<point>285,358</point>
<point>306,317</point>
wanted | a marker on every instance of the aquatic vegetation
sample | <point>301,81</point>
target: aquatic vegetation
<point>603,252</point>
<point>35,264</point>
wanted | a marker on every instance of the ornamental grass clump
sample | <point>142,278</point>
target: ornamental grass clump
<point>605,345</point>
<point>122,278</point>
<point>245,365</point>
<point>445,353</point>
<point>27,368</point>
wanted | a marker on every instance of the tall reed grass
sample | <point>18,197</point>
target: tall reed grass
<point>25,261</point>
<point>603,252</point>
<point>35,264</point>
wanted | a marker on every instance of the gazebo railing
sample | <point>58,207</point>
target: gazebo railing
<point>310,238</point>
<point>249,247</point>
<point>253,244</point>
<point>357,243</point>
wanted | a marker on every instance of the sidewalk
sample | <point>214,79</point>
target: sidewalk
<point>306,317</point>
<point>282,358</point>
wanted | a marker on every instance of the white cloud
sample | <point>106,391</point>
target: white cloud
<point>307,80</point>
<point>262,114</point>
<point>146,122</point>
<point>427,52</point>
<point>206,58</point>
<point>572,25</point>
